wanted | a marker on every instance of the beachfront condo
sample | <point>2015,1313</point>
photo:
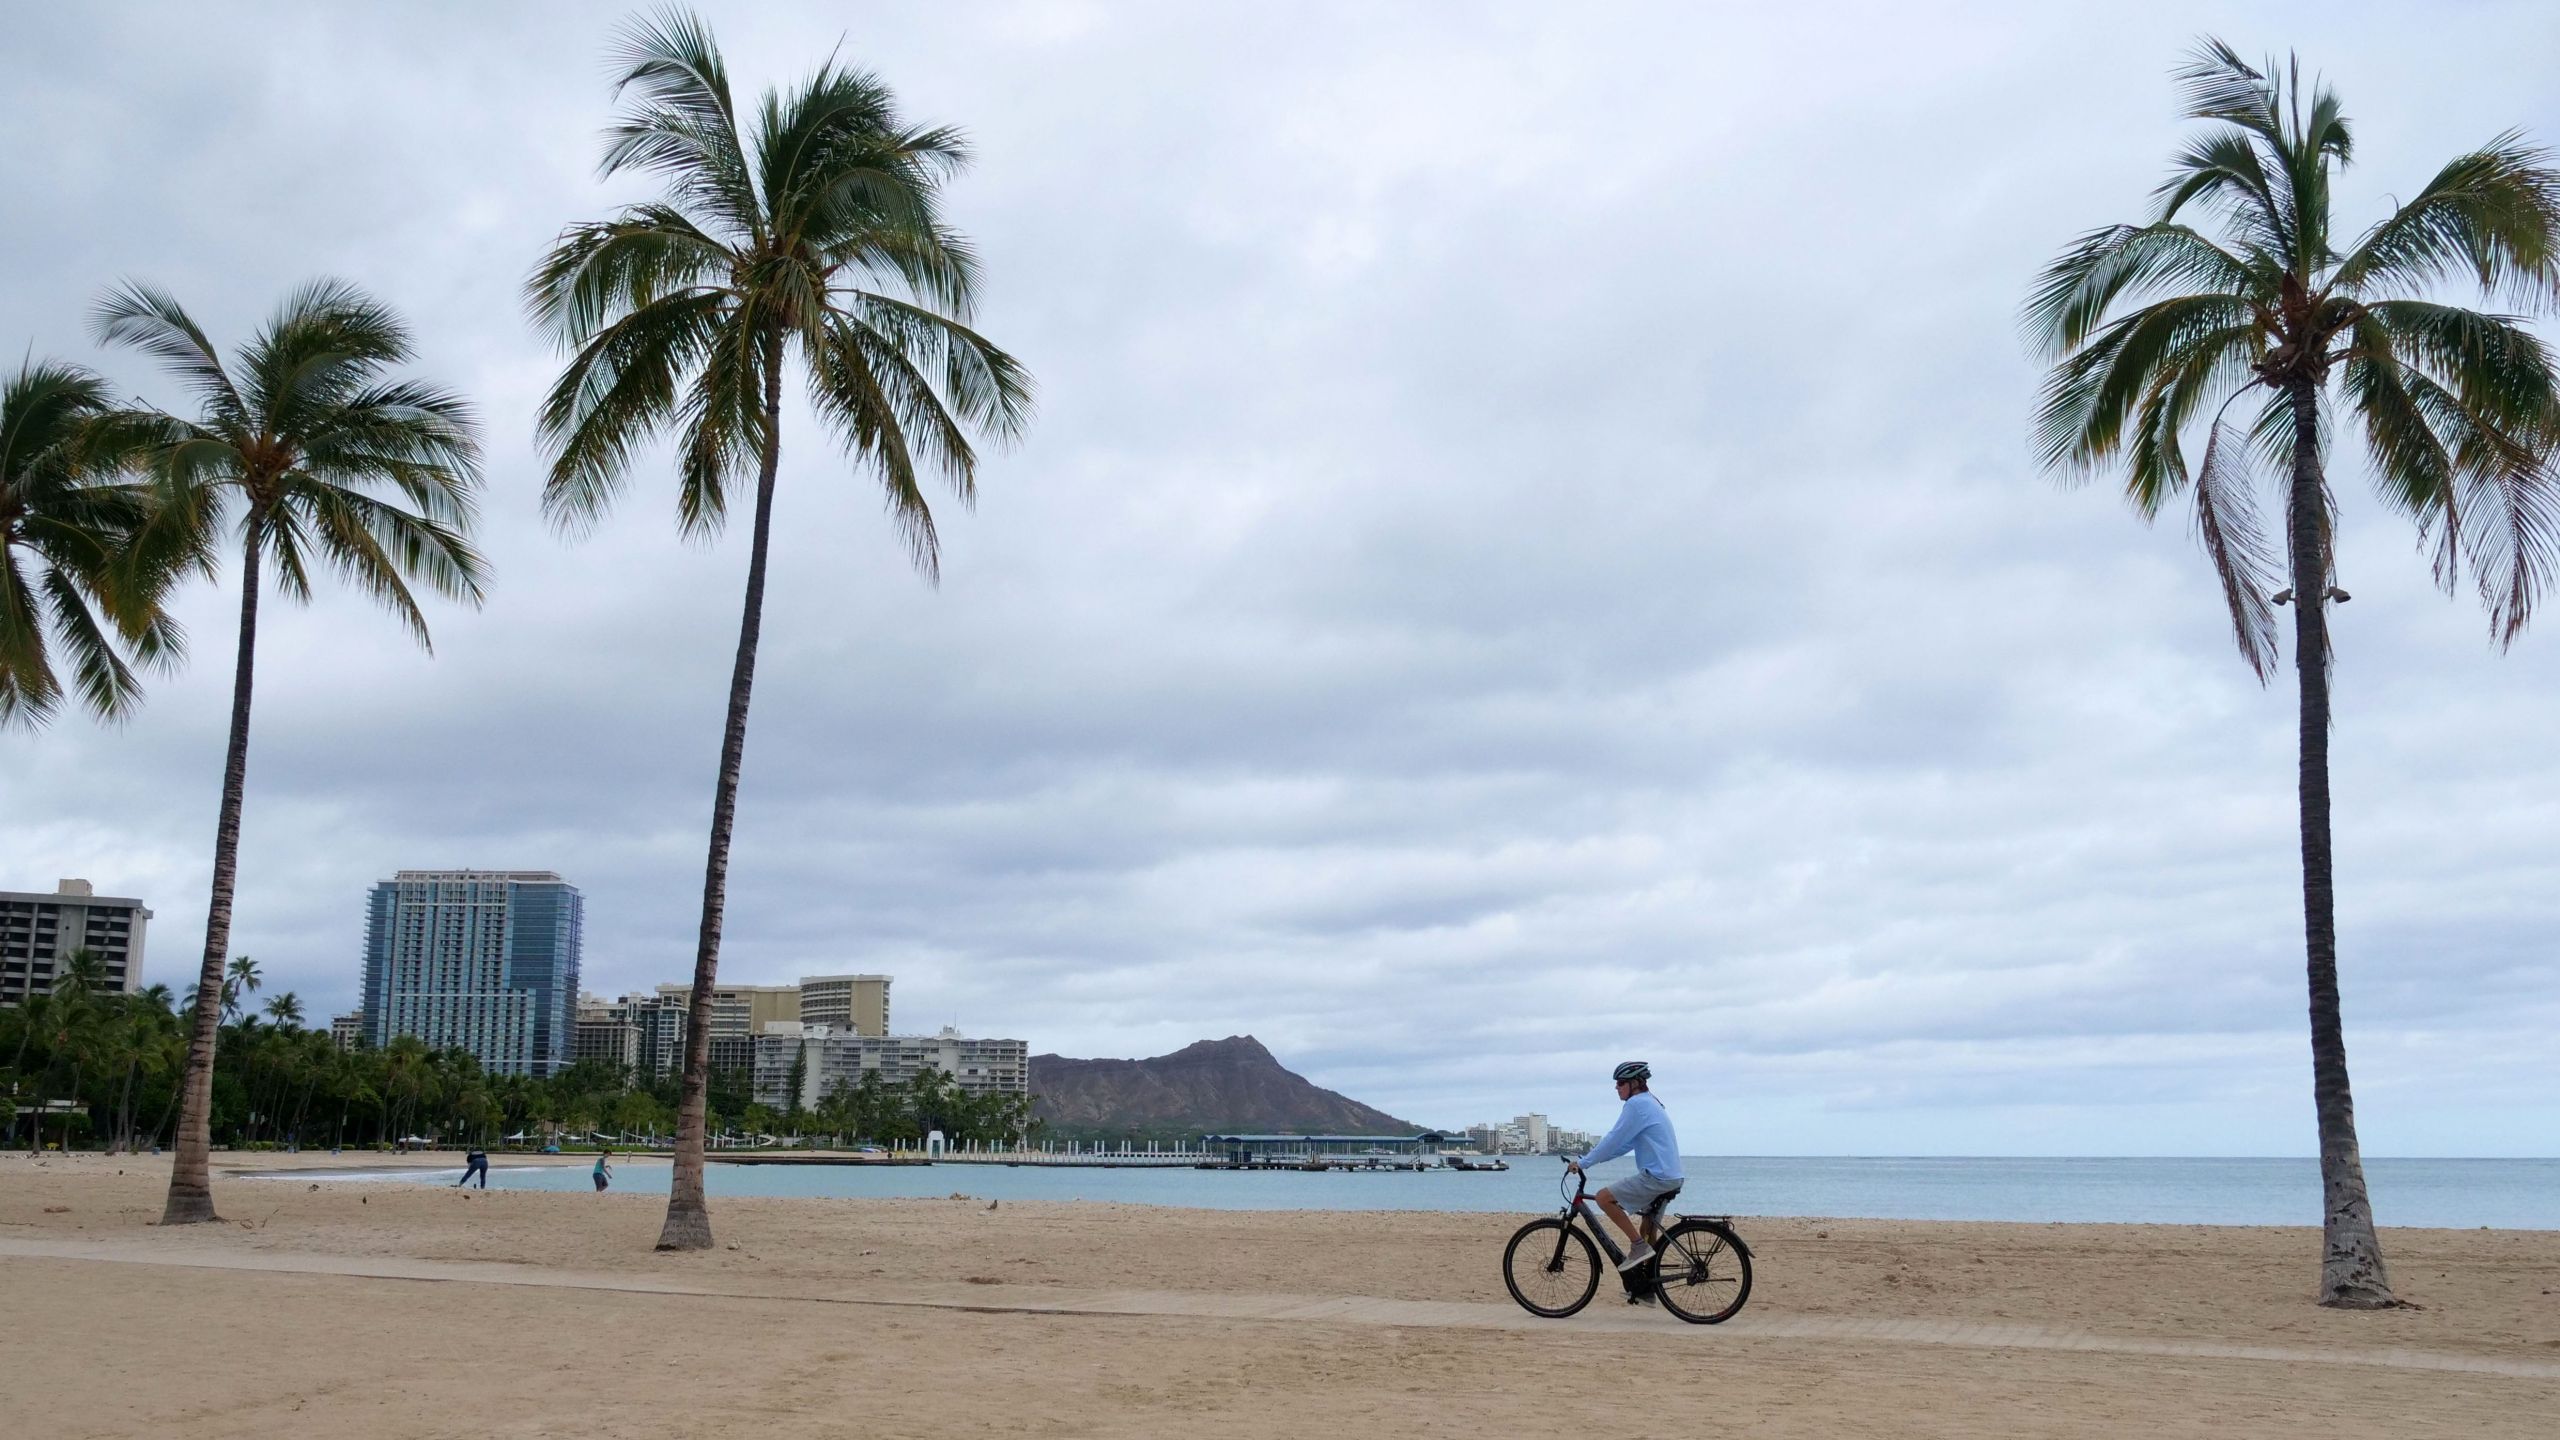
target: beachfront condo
<point>39,933</point>
<point>826,1058</point>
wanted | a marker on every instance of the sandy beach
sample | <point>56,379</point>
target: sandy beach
<point>390,1310</point>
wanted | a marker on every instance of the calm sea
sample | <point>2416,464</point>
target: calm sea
<point>2507,1194</point>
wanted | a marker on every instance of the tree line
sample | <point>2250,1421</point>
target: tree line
<point>86,1066</point>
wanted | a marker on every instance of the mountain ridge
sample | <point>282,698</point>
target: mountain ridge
<point>1209,1086</point>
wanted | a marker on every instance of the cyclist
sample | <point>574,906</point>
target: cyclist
<point>1645,1128</point>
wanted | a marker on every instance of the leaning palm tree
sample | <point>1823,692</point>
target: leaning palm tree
<point>2159,331</point>
<point>74,549</point>
<point>308,446</point>
<point>812,230</point>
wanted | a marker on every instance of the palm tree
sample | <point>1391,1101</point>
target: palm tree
<point>240,980</point>
<point>286,1010</point>
<point>73,547</point>
<point>682,315</point>
<point>2457,409</point>
<point>310,445</point>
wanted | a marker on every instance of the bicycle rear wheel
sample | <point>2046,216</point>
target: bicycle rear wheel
<point>1704,1272</point>
<point>1551,1268</point>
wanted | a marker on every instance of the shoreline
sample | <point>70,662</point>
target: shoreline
<point>1879,1196</point>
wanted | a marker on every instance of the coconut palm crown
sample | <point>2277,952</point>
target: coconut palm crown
<point>77,569</point>
<point>808,230</point>
<point>2266,336</point>
<point>313,455</point>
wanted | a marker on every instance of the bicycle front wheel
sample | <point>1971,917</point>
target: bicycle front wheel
<point>1704,1272</point>
<point>1552,1268</point>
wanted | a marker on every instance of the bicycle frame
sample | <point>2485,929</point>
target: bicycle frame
<point>1638,1282</point>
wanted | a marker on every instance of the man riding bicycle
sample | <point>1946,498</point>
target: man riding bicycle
<point>1645,1128</point>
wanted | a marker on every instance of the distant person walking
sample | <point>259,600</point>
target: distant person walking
<point>604,1169</point>
<point>476,1163</point>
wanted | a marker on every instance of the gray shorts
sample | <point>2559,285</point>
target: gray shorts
<point>1642,1189</point>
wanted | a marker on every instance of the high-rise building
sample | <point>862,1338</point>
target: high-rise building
<point>1533,1133</point>
<point>347,1029</point>
<point>859,1003</point>
<point>607,1032</point>
<point>482,959</point>
<point>39,933</point>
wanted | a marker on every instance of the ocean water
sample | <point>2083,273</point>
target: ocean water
<point>2506,1194</point>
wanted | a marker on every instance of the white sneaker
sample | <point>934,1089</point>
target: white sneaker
<point>1635,1257</point>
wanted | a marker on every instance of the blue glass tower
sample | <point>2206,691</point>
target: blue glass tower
<point>486,960</point>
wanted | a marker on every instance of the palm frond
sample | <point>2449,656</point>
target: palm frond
<point>2465,451</point>
<point>2492,215</point>
<point>2210,364</point>
<point>29,693</point>
<point>2075,292</point>
<point>679,121</point>
<point>106,683</point>
<point>151,321</point>
<point>45,411</point>
<point>616,392</point>
<point>2092,394</point>
<point>282,535</point>
<point>2228,173</point>
<point>420,438</point>
<point>2221,86</point>
<point>2235,539</point>
<point>598,272</point>
<point>722,422</point>
<point>340,529</point>
<point>847,389</point>
<point>984,386</point>
<point>325,343</point>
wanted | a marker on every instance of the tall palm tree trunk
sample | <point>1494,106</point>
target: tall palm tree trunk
<point>124,1111</point>
<point>2351,1273</point>
<point>191,1177</point>
<point>688,1225</point>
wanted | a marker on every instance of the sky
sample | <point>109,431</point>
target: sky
<point>1528,556</point>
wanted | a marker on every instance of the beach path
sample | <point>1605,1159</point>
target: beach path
<point>1611,1318</point>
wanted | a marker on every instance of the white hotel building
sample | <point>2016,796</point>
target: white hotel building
<point>840,1057</point>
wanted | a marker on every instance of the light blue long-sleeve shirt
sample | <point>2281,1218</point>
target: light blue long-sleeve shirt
<point>1644,1127</point>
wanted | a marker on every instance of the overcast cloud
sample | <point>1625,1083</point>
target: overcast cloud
<point>1529,555</point>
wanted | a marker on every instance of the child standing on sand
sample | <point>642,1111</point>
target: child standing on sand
<point>604,1171</point>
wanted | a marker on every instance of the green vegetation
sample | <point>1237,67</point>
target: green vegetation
<point>2458,408</point>
<point>93,1067</point>
<point>681,317</point>
<point>72,551</point>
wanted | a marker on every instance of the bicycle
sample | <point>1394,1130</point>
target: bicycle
<point>1701,1270</point>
